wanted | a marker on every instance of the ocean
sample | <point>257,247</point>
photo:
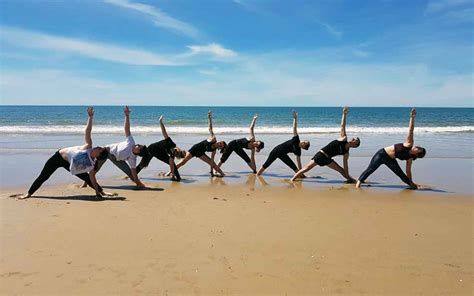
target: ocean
<point>30,134</point>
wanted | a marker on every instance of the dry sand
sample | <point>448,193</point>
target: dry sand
<point>236,240</point>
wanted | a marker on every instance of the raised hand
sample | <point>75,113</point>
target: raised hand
<point>345,110</point>
<point>126,110</point>
<point>295,115</point>
<point>255,116</point>
<point>90,111</point>
<point>209,114</point>
<point>413,113</point>
<point>161,117</point>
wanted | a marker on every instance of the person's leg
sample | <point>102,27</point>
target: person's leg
<point>335,166</point>
<point>395,167</point>
<point>86,178</point>
<point>99,164</point>
<point>209,161</point>
<point>228,151</point>
<point>240,152</point>
<point>376,161</point>
<point>122,165</point>
<point>311,164</point>
<point>287,160</point>
<point>51,165</point>
<point>271,158</point>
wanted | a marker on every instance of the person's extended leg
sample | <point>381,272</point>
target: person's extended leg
<point>240,152</point>
<point>271,158</point>
<point>335,166</point>
<point>85,177</point>
<point>122,165</point>
<point>287,160</point>
<point>305,169</point>
<point>99,164</point>
<point>51,165</point>
<point>209,161</point>
<point>395,167</point>
<point>377,160</point>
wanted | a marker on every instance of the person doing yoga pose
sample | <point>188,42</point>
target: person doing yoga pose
<point>403,151</point>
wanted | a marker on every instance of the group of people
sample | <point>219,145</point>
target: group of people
<point>85,161</point>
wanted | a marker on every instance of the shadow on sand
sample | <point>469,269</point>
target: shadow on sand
<point>133,187</point>
<point>83,198</point>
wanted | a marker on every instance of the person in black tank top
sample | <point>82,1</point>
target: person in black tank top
<point>210,145</point>
<point>164,150</point>
<point>334,148</point>
<point>239,145</point>
<point>403,151</point>
<point>294,145</point>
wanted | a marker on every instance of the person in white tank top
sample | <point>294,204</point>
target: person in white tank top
<point>79,160</point>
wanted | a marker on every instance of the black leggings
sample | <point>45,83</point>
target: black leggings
<point>54,162</point>
<point>381,157</point>
<point>283,157</point>
<point>164,158</point>
<point>234,147</point>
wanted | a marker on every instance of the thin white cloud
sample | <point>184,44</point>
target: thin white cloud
<point>330,29</point>
<point>159,18</point>
<point>95,50</point>
<point>213,49</point>
<point>437,6</point>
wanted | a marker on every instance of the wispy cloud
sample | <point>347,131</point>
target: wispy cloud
<point>330,29</point>
<point>107,52</point>
<point>159,18</point>
<point>451,11</point>
<point>213,49</point>
<point>437,6</point>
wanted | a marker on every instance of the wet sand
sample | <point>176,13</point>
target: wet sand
<point>237,239</point>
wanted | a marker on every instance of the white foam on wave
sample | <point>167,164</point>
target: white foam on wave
<point>103,129</point>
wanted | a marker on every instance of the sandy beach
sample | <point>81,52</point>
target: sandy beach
<point>238,239</point>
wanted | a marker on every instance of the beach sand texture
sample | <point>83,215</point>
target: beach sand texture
<point>244,239</point>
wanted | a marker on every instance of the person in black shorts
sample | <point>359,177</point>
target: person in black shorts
<point>239,145</point>
<point>164,150</point>
<point>291,146</point>
<point>403,151</point>
<point>210,145</point>
<point>337,147</point>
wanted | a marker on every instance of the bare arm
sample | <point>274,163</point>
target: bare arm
<point>209,122</point>
<point>213,156</point>
<point>88,131</point>
<point>184,160</point>
<point>126,111</point>
<point>345,110</point>
<point>135,178</point>
<point>252,127</point>
<point>295,127</point>
<point>346,166</point>
<point>94,182</point>
<point>408,170</point>
<point>163,128</point>
<point>411,128</point>
<point>298,161</point>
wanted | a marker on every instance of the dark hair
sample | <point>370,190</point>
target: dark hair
<point>358,143</point>
<point>144,152</point>
<point>222,150</point>
<point>102,155</point>
<point>420,154</point>
<point>261,145</point>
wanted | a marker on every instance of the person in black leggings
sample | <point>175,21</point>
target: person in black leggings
<point>403,151</point>
<point>210,145</point>
<point>164,150</point>
<point>239,145</point>
<point>337,147</point>
<point>281,151</point>
<point>77,160</point>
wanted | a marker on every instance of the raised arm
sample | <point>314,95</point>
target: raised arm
<point>411,128</point>
<point>345,110</point>
<point>413,185</point>
<point>295,119</point>
<point>209,123</point>
<point>346,168</point>
<point>252,127</point>
<point>163,128</point>
<point>126,111</point>
<point>88,131</point>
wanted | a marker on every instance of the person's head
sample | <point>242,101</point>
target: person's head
<point>258,145</point>
<point>99,153</point>
<point>417,152</point>
<point>220,145</point>
<point>354,143</point>
<point>178,152</point>
<point>304,145</point>
<point>140,150</point>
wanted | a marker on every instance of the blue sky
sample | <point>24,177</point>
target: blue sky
<point>240,52</point>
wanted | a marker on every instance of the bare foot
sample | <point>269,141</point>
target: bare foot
<point>109,193</point>
<point>358,184</point>
<point>83,185</point>
<point>21,196</point>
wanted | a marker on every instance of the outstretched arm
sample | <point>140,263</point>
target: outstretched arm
<point>94,183</point>
<point>213,156</point>
<point>346,167</point>
<point>409,174</point>
<point>411,128</point>
<point>126,111</point>
<point>209,122</point>
<point>163,128</point>
<point>295,119</point>
<point>252,126</point>
<point>345,110</point>
<point>298,161</point>
<point>88,131</point>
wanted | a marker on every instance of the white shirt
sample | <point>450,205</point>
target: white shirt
<point>124,151</point>
<point>80,160</point>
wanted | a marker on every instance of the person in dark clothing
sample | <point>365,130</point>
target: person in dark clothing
<point>403,151</point>
<point>164,150</point>
<point>78,160</point>
<point>239,145</point>
<point>337,147</point>
<point>291,146</point>
<point>210,145</point>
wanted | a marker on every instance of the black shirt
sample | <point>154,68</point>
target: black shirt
<point>200,148</point>
<point>292,146</point>
<point>336,147</point>
<point>162,147</point>
<point>243,143</point>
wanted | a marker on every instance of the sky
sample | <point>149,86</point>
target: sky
<point>237,52</point>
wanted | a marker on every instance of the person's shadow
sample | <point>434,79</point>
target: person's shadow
<point>133,187</point>
<point>80,197</point>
